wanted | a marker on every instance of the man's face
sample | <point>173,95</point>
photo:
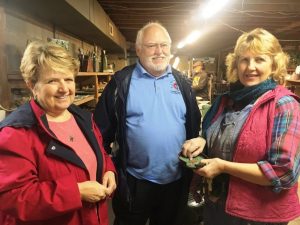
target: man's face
<point>198,68</point>
<point>154,51</point>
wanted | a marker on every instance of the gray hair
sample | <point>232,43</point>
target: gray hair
<point>141,32</point>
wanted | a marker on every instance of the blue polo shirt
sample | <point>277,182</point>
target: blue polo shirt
<point>155,122</point>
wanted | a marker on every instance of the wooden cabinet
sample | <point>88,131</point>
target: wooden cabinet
<point>89,86</point>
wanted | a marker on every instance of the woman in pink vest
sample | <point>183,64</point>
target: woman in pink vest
<point>252,138</point>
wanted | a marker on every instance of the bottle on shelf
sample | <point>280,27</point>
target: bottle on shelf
<point>103,66</point>
<point>95,64</point>
<point>81,59</point>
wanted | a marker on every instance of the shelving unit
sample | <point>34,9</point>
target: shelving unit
<point>89,85</point>
<point>84,100</point>
<point>290,70</point>
<point>294,85</point>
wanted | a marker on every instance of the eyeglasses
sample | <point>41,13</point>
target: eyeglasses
<point>153,46</point>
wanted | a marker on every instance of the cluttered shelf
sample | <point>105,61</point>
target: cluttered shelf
<point>81,99</point>
<point>293,85</point>
<point>293,81</point>
<point>89,86</point>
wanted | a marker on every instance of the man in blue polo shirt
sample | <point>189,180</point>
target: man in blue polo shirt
<point>148,110</point>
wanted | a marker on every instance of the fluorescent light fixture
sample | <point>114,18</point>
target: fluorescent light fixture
<point>192,37</point>
<point>181,44</point>
<point>212,7</point>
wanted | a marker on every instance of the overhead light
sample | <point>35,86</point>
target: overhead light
<point>212,7</point>
<point>192,37</point>
<point>181,44</point>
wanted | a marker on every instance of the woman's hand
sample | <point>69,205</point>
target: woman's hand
<point>109,181</point>
<point>250,172</point>
<point>92,191</point>
<point>193,147</point>
<point>213,167</point>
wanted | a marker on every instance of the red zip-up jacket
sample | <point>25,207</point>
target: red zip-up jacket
<point>39,174</point>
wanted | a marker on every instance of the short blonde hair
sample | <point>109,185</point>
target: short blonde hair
<point>39,57</point>
<point>258,41</point>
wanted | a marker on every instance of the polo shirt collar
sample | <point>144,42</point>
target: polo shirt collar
<point>142,71</point>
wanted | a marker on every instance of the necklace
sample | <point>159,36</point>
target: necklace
<point>65,131</point>
<point>71,138</point>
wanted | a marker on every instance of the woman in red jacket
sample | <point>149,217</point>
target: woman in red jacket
<point>253,139</point>
<point>53,167</point>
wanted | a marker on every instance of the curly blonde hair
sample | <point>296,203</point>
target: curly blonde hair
<point>40,57</point>
<point>258,41</point>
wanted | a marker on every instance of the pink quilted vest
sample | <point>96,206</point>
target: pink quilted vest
<point>251,201</point>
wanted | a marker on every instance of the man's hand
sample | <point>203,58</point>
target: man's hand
<point>193,147</point>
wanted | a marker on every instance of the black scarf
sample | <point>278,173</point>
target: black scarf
<point>247,95</point>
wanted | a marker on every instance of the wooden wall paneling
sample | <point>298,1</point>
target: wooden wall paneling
<point>4,89</point>
<point>19,31</point>
<point>118,60</point>
<point>17,28</point>
<point>75,43</point>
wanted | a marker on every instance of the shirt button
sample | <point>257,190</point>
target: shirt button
<point>53,148</point>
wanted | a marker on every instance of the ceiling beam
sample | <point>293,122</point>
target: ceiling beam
<point>291,26</point>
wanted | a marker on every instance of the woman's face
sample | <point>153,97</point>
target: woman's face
<point>55,92</point>
<point>254,68</point>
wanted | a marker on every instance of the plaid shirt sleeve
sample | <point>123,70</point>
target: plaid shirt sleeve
<point>282,165</point>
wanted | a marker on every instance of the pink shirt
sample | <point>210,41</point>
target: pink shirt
<point>70,134</point>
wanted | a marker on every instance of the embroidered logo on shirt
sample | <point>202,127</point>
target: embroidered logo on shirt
<point>174,87</point>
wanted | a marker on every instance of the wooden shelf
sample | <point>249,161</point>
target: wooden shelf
<point>76,17</point>
<point>290,70</point>
<point>92,78</point>
<point>293,82</point>
<point>84,100</point>
<point>294,85</point>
